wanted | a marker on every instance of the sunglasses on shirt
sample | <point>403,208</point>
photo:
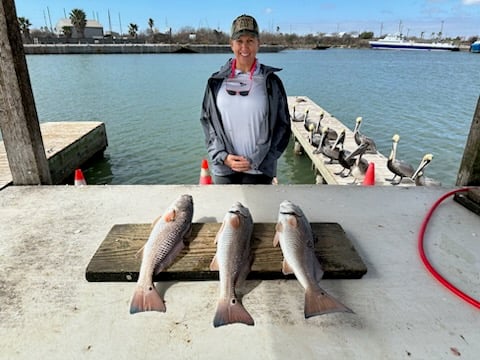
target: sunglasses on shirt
<point>232,85</point>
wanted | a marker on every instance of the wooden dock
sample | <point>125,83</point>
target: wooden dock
<point>68,145</point>
<point>325,173</point>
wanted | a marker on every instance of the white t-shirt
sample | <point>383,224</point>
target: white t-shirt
<point>244,117</point>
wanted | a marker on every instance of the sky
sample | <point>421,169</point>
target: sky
<point>452,17</point>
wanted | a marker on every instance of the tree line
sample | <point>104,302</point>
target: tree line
<point>189,35</point>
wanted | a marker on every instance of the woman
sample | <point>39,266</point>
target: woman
<point>245,113</point>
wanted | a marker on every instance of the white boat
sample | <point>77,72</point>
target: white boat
<point>397,42</point>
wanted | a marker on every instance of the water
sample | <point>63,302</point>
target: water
<point>151,105</point>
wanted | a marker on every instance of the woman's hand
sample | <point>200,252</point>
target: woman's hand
<point>237,163</point>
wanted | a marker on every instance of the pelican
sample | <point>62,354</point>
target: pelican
<point>398,167</point>
<point>418,175</point>
<point>315,137</point>
<point>347,159</point>
<point>296,117</point>
<point>359,168</point>
<point>359,137</point>
<point>332,134</point>
<point>307,122</point>
<point>330,151</point>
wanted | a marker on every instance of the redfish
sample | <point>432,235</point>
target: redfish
<point>162,247</point>
<point>233,260</point>
<point>295,236</point>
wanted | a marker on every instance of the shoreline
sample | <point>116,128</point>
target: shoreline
<point>54,49</point>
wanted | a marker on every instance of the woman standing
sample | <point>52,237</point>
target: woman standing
<point>245,113</point>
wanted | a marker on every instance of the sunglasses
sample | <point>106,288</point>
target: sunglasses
<point>234,87</point>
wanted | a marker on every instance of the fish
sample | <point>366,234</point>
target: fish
<point>165,242</point>
<point>233,260</point>
<point>294,235</point>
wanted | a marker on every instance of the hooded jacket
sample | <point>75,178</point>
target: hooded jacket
<point>266,153</point>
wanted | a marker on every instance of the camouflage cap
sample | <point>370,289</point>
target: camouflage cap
<point>244,25</point>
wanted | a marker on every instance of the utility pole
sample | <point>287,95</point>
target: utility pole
<point>18,116</point>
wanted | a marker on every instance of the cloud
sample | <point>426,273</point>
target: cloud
<point>269,10</point>
<point>470,2</point>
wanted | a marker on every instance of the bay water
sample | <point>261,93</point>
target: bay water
<point>150,104</point>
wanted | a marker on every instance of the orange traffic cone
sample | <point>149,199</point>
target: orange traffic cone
<point>205,178</point>
<point>369,178</point>
<point>79,178</point>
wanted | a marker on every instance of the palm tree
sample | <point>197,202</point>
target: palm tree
<point>150,24</point>
<point>79,21</point>
<point>67,31</point>
<point>24,24</point>
<point>132,30</point>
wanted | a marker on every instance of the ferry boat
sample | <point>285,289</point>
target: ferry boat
<point>475,47</point>
<point>398,42</point>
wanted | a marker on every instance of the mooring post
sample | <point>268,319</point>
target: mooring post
<point>18,115</point>
<point>469,172</point>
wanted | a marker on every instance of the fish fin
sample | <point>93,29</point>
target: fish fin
<point>276,238</point>
<point>231,311</point>
<point>286,268</point>
<point>146,300</point>
<point>219,232</point>
<point>155,221</point>
<point>293,221</point>
<point>140,250</point>
<point>319,302</point>
<point>214,264</point>
<point>170,215</point>
<point>235,221</point>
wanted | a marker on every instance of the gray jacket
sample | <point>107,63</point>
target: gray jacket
<point>218,145</point>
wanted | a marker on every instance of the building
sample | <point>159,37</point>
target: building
<point>93,29</point>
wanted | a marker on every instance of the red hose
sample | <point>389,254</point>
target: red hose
<point>425,260</point>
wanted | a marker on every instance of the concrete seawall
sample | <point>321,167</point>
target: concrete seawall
<point>53,49</point>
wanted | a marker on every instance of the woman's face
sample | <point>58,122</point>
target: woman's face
<point>245,49</point>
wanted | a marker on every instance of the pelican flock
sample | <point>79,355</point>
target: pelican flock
<point>330,143</point>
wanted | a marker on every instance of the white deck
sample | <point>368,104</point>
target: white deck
<point>49,311</point>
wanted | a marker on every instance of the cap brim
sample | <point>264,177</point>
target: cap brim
<point>244,32</point>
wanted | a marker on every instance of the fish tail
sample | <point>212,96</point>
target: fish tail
<point>319,302</point>
<point>146,300</point>
<point>231,311</point>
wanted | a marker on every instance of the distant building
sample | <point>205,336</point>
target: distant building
<point>93,29</point>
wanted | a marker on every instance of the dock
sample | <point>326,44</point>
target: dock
<point>326,173</point>
<point>68,145</point>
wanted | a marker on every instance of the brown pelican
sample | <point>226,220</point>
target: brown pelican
<point>418,175</point>
<point>359,168</point>
<point>398,167</point>
<point>295,116</point>
<point>330,151</point>
<point>307,123</point>
<point>347,160</point>
<point>314,138</point>
<point>359,137</point>
<point>332,134</point>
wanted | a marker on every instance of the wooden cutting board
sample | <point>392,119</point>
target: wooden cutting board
<point>117,260</point>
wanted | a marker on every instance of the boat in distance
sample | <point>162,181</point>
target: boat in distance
<point>475,47</point>
<point>398,42</point>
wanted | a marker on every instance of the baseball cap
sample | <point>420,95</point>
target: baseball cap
<point>244,25</point>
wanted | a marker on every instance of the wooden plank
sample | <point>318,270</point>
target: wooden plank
<point>117,260</point>
<point>469,171</point>
<point>470,199</point>
<point>19,120</point>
